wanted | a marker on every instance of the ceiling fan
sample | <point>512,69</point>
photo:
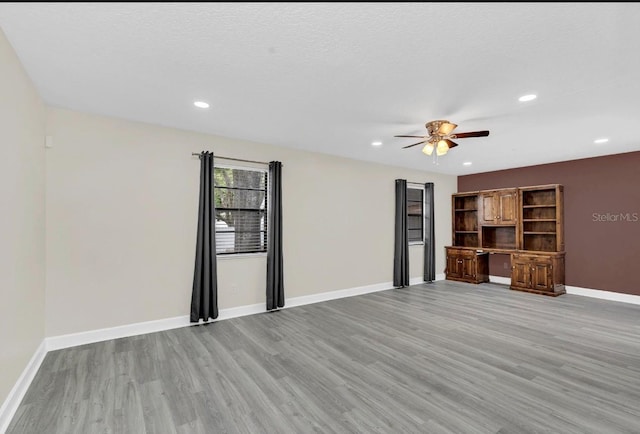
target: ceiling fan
<point>440,137</point>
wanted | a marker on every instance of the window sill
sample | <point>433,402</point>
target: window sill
<point>242,256</point>
<point>416,243</point>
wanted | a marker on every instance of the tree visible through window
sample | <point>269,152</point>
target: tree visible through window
<point>241,210</point>
<point>415,215</point>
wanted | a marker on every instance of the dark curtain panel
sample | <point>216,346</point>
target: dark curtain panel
<point>275,278</point>
<point>401,245</point>
<point>429,235</point>
<point>204,298</point>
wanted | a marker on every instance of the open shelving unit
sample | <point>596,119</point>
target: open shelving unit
<point>541,218</point>
<point>465,220</point>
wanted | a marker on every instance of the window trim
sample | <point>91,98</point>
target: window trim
<point>421,188</point>
<point>259,253</point>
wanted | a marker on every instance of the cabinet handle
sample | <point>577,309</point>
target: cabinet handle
<point>498,217</point>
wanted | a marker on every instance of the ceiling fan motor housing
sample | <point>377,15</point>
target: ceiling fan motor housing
<point>440,128</point>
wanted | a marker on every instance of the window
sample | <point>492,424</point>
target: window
<point>241,210</point>
<point>415,215</point>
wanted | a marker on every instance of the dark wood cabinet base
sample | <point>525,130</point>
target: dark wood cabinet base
<point>467,265</point>
<point>539,273</point>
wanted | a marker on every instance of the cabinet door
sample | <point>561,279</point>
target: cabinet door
<point>499,207</point>
<point>542,275</point>
<point>505,202</point>
<point>468,267</point>
<point>453,266</point>
<point>520,273</point>
<point>488,212</point>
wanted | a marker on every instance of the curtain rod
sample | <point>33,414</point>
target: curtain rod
<point>234,159</point>
<point>416,183</point>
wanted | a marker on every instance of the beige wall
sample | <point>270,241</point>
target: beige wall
<point>122,200</point>
<point>22,218</point>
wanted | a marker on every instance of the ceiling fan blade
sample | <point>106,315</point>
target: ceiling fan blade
<point>450,143</point>
<point>417,137</point>
<point>471,134</point>
<point>415,144</point>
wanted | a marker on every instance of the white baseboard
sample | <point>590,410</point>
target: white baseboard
<point>500,279</point>
<point>14,398</point>
<point>99,335</point>
<point>585,292</point>
<point>419,280</point>
<point>340,293</point>
<point>604,295</point>
<point>235,312</point>
<point>349,292</point>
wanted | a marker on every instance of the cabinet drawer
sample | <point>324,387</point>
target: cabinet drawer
<point>531,258</point>
<point>461,252</point>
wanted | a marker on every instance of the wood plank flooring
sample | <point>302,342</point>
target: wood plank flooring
<point>439,358</point>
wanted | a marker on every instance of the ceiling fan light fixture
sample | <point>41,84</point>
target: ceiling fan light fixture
<point>428,148</point>
<point>440,138</point>
<point>442,148</point>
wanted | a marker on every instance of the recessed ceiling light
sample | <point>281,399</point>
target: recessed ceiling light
<point>599,141</point>
<point>525,98</point>
<point>467,163</point>
<point>376,143</point>
<point>201,104</point>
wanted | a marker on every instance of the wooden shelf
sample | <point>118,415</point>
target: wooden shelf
<point>499,237</point>
<point>538,220</point>
<point>539,233</point>
<point>538,206</point>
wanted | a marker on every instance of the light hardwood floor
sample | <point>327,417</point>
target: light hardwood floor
<point>439,358</point>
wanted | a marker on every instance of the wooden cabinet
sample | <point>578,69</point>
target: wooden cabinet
<point>538,273</point>
<point>526,222</point>
<point>467,265</point>
<point>499,207</point>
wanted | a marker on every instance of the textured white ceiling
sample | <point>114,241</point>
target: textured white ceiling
<point>333,77</point>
